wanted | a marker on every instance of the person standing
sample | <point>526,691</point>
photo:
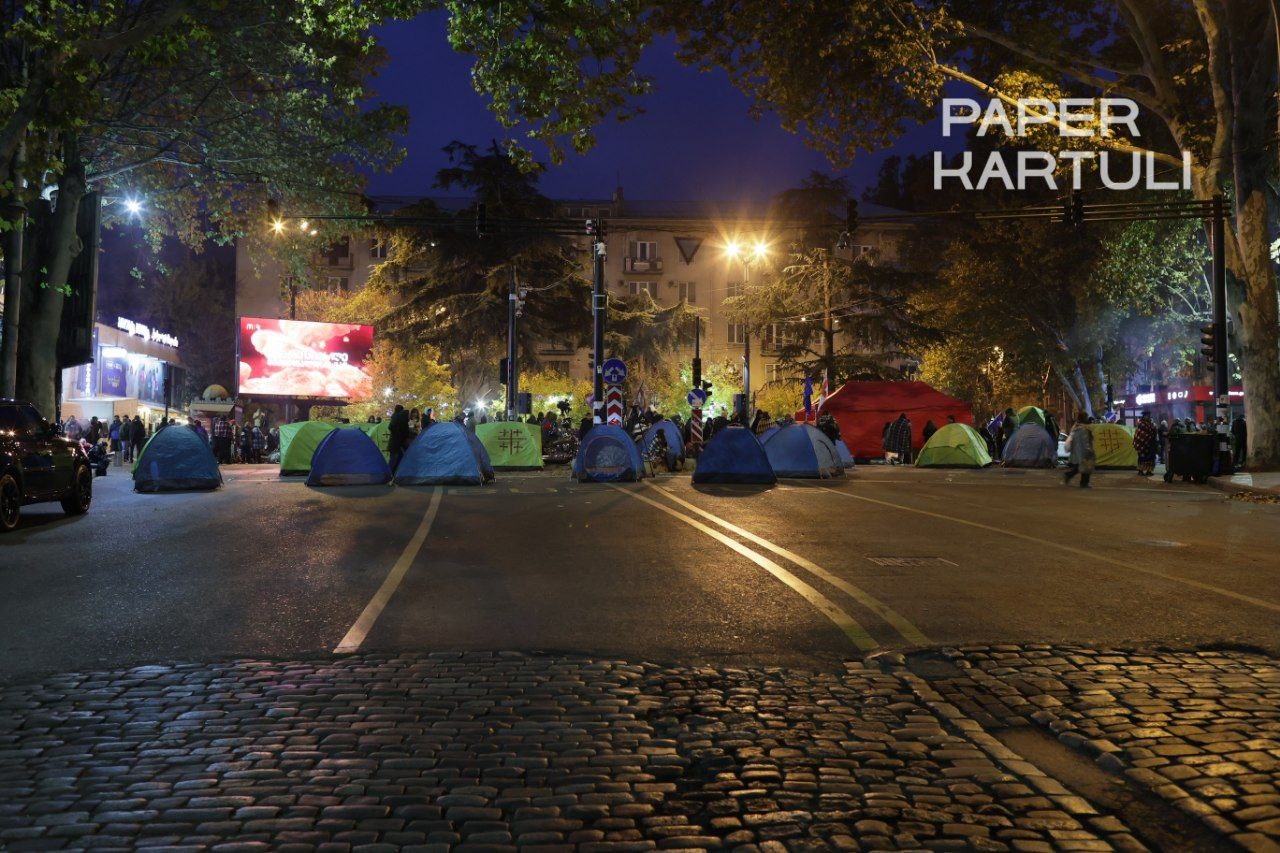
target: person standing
<point>1008,426</point>
<point>1145,441</point>
<point>1240,437</point>
<point>1162,443</point>
<point>1080,454</point>
<point>126,440</point>
<point>397,436</point>
<point>259,444</point>
<point>95,431</point>
<point>113,439</point>
<point>899,439</point>
<point>928,431</point>
<point>72,429</point>
<point>138,435</point>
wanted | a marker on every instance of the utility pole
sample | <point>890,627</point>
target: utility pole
<point>513,372</point>
<point>1221,376</point>
<point>16,213</point>
<point>746,356</point>
<point>697,352</point>
<point>599,303</point>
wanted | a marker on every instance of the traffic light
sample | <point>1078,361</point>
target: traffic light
<point>1208,341</point>
<point>706,386</point>
<point>504,370</point>
<point>697,373</point>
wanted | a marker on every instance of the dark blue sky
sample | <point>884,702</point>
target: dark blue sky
<point>695,141</point>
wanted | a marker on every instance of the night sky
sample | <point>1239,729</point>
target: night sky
<point>696,140</point>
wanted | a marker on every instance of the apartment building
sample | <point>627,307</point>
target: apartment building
<point>673,250</point>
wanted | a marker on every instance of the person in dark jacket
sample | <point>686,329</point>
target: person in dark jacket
<point>928,431</point>
<point>1007,427</point>
<point>397,435</point>
<point>126,440</point>
<point>898,439</point>
<point>1240,440</point>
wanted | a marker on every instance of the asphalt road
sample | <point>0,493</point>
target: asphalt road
<point>806,573</point>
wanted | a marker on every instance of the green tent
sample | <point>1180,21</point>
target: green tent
<point>1113,446</point>
<point>954,446</point>
<point>379,432</point>
<point>512,445</point>
<point>1030,414</point>
<point>297,443</point>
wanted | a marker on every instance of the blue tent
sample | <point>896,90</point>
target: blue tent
<point>802,451</point>
<point>675,444</point>
<point>606,455</point>
<point>443,456</point>
<point>733,455</point>
<point>842,451</point>
<point>348,457</point>
<point>1030,446</point>
<point>176,459</point>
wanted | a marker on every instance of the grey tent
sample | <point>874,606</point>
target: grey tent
<point>1030,446</point>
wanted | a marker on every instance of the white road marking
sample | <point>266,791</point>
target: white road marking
<point>846,623</point>
<point>1080,552</point>
<point>358,631</point>
<point>900,623</point>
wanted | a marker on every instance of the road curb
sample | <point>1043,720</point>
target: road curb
<point>1225,484</point>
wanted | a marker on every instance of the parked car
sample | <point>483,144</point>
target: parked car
<point>38,465</point>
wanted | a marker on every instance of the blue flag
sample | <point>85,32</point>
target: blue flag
<point>808,397</point>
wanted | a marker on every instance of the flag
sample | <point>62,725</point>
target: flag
<point>808,397</point>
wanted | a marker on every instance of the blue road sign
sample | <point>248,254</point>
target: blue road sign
<point>697,397</point>
<point>614,371</point>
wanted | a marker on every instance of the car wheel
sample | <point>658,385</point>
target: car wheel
<point>10,502</point>
<point>77,500</point>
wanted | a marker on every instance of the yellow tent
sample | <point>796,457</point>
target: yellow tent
<point>1113,446</point>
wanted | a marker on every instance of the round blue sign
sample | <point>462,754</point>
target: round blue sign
<point>614,371</point>
<point>697,397</point>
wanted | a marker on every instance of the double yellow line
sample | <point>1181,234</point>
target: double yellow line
<point>850,626</point>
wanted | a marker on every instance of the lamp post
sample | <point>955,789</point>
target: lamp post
<point>757,252</point>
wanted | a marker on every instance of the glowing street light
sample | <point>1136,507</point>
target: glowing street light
<point>278,226</point>
<point>733,249</point>
<point>132,206</point>
<point>760,250</point>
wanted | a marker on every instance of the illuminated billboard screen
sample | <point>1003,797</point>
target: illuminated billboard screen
<point>292,358</point>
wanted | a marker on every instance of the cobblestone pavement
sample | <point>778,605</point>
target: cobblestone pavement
<point>495,751</point>
<point>1200,729</point>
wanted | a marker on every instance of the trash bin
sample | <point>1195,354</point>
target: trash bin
<point>1191,456</point>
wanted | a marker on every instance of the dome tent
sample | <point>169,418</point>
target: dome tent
<point>298,443</point>
<point>607,454</point>
<point>512,445</point>
<point>842,452</point>
<point>444,455</point>
<point>176,459</point>
<point>1030,415</point>
<point>675,444</point>
<point>1030,447</point>
<point>1113,446</point>
<point>954,446</point>
<point>802,451</point>
<point>733,455</point>
<point>380,432</point>
<point>348,457</point>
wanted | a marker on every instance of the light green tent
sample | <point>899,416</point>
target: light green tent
<point>1030,414</point>
<point>379,432</point>
<point>1113,446</point>
<point>954,446</point>
<point>512,445</point>
<point>297,443</point>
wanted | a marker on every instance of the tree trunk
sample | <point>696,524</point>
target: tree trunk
<point>1066,386</point>
<point>52,247</point>
<point>1084,400</point>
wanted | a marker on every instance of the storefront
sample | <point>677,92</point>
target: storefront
<point>134,372</point>
<point>1184,401</point>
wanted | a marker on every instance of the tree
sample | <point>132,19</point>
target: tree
<point>854,75</point>
<point>197,111</point>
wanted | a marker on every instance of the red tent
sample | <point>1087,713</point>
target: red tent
<point>861,409</point>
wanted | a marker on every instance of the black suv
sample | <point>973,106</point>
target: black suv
<point>37,464</point>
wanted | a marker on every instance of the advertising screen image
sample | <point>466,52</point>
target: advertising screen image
<point>292,358</point>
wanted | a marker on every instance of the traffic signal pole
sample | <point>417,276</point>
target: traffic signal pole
<point>1221,376</point>
<point>513,372</point>
<point>599,302</point>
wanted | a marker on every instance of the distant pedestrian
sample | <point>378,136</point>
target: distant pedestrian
<point>1240,438</point>
<point>113,439</point>
<point>72,429</point>
<point>1080,454</point>
<point>1008,425</point>
<point>1145,441</point>
<point>137,435</point>
<point>397,436</point>
<point>898,440</point>
<point>95,431</point>
<point>928,431</point>
<point>126,440</point>
<point>246,443</point>
<point>259,444</point>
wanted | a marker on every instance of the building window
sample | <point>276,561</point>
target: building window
<point>732,289</point>
<point>378,249</point>
<point>859,251</point>
<point>339,253</point>
<point>777,335</point>
<point>688,292</point>
<point>337,284</point>
<point>737,333</point>
<point>775,372</point>
<point>644,250</point>
<point>558,367</point>
<point>635,288</point>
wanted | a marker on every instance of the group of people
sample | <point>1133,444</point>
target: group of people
<point>249,442</point>
<point>897,436</point>
<point>123,437</point>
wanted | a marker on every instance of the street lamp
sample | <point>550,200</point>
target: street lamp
<point>132,206</point>
<point>758,251</point>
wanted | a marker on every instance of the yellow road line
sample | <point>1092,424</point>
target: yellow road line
<point>846,623</point>
<point>1208,587</point>
<point>900,623</point>
<point>358,631</point>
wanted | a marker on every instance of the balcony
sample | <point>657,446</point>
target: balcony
<point>642,264</point>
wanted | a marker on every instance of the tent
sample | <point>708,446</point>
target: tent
<point>298,443</point>
<point>512,445</point>
<point>842,452</point>
<point>733,455</point>
<point>379,432</point>
<point>1030,415</point>
<point>607,454</point>
<point>1030,446</point>
<point>176,459</point>
<point>348,457</point>
<point>447,454</point>
<point>1113,446</point>
<point>802,451</point>
<point>675,444</point>
<point>954,446</point>
<point>862,409</point>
